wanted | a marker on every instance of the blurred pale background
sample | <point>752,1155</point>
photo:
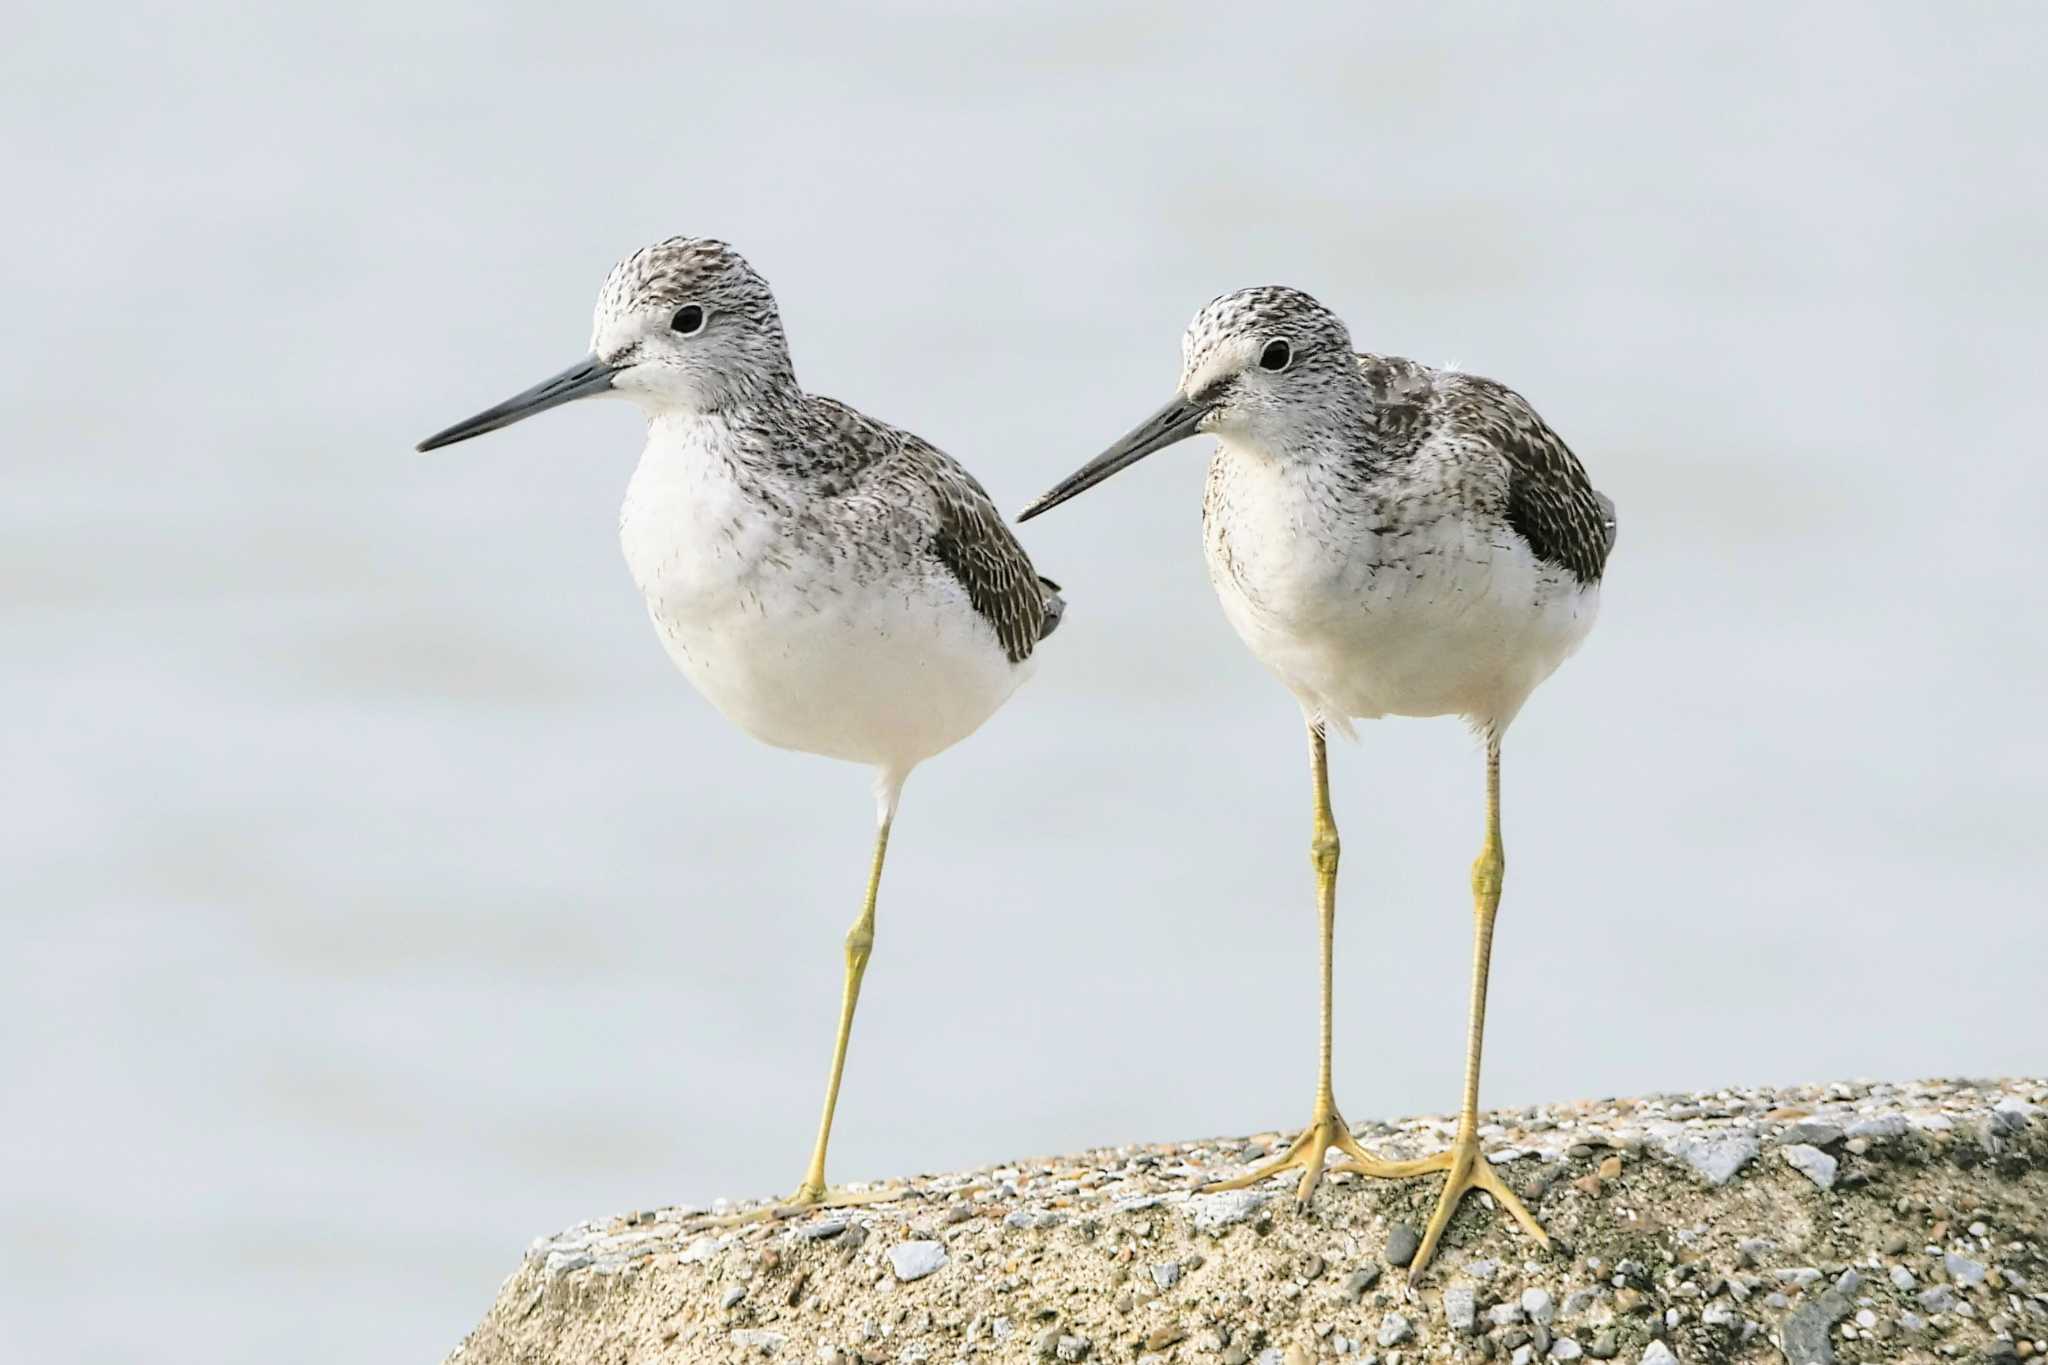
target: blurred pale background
<point>376,895</point>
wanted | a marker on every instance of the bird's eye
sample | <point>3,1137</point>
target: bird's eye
<point>689,318</point>
<point>1276,355</point>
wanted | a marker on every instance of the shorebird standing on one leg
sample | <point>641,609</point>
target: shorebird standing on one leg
<point>830,583</point>
<point>1389,539</point>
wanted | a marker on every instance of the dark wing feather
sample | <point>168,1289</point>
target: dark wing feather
<point>1550,501</point>
<point>971,540</point>
<point>932,497</point>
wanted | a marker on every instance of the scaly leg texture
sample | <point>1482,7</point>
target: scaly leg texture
<point>860,944</point>
<point>1465,1166</point>
<point>1326,1127</point>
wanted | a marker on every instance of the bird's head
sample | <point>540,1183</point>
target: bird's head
<point>683,325</point>
<point>1263,366</point>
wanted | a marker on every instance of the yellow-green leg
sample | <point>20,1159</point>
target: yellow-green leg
<point>860,945</point>
<point>1326,1127</point>
<point>1466,1168</point>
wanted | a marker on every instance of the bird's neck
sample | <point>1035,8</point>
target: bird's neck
<point>759,436</point>
<point>1334,434</point>
<point>737,411</point>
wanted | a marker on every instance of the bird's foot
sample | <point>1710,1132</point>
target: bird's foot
<point>808,1197</point>
<point>1326,1129</point>
<point>1466,1168</point>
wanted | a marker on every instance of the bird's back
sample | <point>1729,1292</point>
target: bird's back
<point>1487,434</point>
<point>936,510</point>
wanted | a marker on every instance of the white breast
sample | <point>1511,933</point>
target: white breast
<point>1391,601</point>
<point>798,640</point>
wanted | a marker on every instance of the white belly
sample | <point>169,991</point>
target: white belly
<point>1431,617</point>
<point>794,643</point>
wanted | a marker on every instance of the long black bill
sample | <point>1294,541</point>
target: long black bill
<point>584,378</point>
<point>1174,422</point>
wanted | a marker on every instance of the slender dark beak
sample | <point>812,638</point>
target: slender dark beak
<point>586,377</point>
<point>1174,422</point>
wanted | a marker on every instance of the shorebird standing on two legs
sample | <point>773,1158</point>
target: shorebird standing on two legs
<point>830,583</point>
<point>1389,539</point>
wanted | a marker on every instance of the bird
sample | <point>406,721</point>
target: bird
<point>1389,539</point>
<point>831,583</point>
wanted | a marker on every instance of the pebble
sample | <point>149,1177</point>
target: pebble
<point>1938,1299</point>
<point>1074,1348</point>
<point>2010,1114</point>
<point>1811,1162</point>
<point>1461,1308</point>
<point>757,1339</point>
<point>1402,1244</point>
<point>1963,1270</point>
<point>1880,1129</point>
<point>1806,1330</point>
<point>915,1260</point>
<point>1902,1279</point>
<point>1896,1244</point>
<point>1394,1329</point>
<point>1166,1274</point>
<point>1716,1160</point>
<point>1564,1348</point>
<point>732,1296</point>
<point>1538,1305</point>
<point>1504,1314</point>
<point>1657,1353</point>
<point>1212,1213</point>
<point>1810,1133</point>
<point>822,1230</point>
<point>562,1262</point>
<point>1358,1281</point>
<point>703,1249</point>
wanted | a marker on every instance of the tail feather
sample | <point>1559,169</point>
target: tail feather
<point>1055,606</point>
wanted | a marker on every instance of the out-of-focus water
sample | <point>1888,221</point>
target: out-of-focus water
<point>376,896</point>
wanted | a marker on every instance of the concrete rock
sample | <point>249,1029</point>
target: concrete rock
<point>1099,1264</point>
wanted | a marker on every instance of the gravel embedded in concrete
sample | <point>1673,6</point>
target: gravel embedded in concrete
<point>1111,1256</point>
